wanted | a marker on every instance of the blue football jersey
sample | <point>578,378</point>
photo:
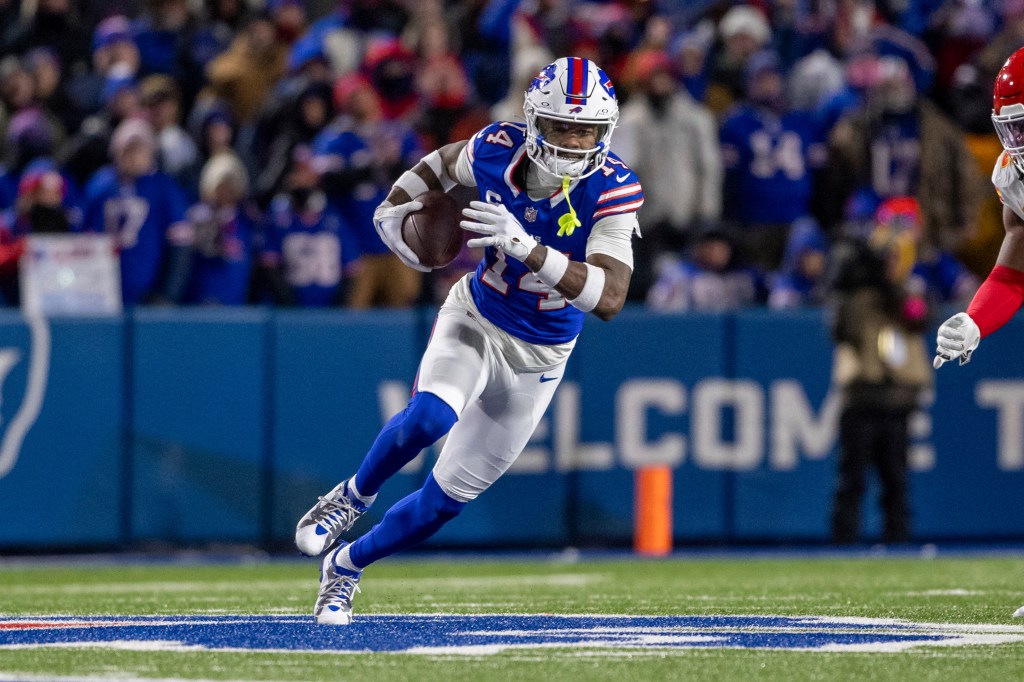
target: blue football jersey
<point>314,249</point>
<point>144,216</point>
<point>768,165</point>
<point>506,291</point>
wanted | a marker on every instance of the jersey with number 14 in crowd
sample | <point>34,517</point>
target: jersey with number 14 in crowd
<point>505,291</point>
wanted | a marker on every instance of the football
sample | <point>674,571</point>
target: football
<point>433,232</point>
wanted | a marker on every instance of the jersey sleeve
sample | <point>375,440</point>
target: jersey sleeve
<point>621,193</point>
<point>496,143</point>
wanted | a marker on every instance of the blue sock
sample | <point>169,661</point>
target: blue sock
<point>411,521</point>
<point>419,425</point>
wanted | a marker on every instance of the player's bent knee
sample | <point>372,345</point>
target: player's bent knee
<point>442,505</point>
<point>428,419</point>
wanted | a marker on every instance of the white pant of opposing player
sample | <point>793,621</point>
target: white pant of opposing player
<point>497,385</point>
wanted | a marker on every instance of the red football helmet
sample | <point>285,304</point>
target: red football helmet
<point>1008,107</point>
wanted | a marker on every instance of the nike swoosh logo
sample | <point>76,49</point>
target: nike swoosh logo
<point>620,178</point>
<point>544,378</point>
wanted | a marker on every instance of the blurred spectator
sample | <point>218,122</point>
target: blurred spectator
<point>144,210</point>
<point>485,27</point>
<point>713,280</point>
<point>670,141</point>
<point>309,114</point>
<point>801,280</point>
<point>361,155</point>
<point>177,153</point>
<point>392,70</point>
<point>211,126</point>
<point>17,88</point>
<point>244,74</point>
<point>899,144</point>
<point>527,64</point>
<point>448,110</point>
<point>114,52</point>
<point>88,150</point>
<point>743,31</point>
<point>770,154</point>
<point>222,20</point>
<point>165,34</point>
<point>881,366</point>
<point>311,244</point>
<point>51,95</point>
<point>224,226</point>
<point>40,209</point>
<point>289,17</point>
<point>54,24</point>
<point>936,275</point>
<point>690,53</point>
<point>30,135</point>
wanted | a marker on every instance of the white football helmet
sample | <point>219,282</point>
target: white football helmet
<point>573,90</point>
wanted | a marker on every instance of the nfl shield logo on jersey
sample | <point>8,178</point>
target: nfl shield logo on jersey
<point>531,214</point>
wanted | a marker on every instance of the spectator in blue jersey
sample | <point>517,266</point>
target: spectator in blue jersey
<point>502,339</point>
<point>224,225</point>
<point>313,247</point>
<point>711,278</point>
<point>144,210</point>
<point>770,154</point>
<point>360,155</point>
<point>801,280</point>
<point>899,144</point>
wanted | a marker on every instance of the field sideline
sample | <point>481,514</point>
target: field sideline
<point>718,617</point>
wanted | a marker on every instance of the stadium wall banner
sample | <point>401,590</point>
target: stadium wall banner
<point>204,426</point>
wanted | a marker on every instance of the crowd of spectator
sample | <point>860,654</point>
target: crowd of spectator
<point>236,150</point>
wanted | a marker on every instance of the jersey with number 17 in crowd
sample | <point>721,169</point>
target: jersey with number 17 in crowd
<point>505,291</point>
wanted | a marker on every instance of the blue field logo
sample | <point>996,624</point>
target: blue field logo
<point>488,634</point>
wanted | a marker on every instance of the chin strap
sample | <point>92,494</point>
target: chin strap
<point>568,222</point>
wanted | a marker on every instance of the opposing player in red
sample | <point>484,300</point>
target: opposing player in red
<point>1002,293</point>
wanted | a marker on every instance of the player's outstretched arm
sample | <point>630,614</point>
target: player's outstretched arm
<point>997,299</point>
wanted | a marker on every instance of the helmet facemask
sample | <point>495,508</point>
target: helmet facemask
<point>563,161</point>
<point>1009,125</point>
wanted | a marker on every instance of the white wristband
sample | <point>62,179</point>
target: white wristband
<point>413,184</point>
<point>433,159</point>
<point>592,290</point>
<point>555,265</point>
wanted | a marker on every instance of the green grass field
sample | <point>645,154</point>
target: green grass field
<point>962,590</point>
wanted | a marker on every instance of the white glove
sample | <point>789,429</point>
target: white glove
<point>503,230</point>
<point>388,221</point>
<point>1007,181</point>
<point>958,337</point>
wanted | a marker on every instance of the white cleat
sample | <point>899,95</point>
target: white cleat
<point>337,587</point>
<point>335,513</point>
<point>1019,613</point>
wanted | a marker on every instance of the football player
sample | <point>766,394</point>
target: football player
<point>556,216</point>
<point>1001,294</point>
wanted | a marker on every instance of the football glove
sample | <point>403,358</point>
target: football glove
<point>957,338</point>
<point>501,227</point>
<point>387,219</point>
<point>1009,187</point>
